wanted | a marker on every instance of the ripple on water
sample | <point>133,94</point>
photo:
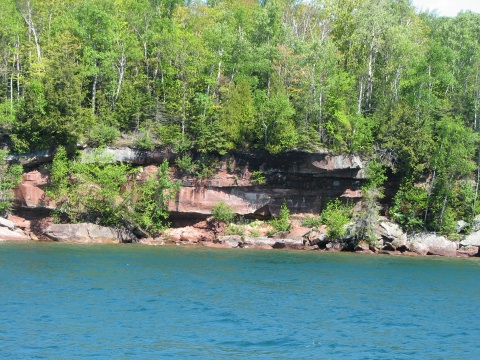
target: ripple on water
<point>86,302</point>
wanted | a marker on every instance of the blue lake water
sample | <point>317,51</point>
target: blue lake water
<point>61,301</point>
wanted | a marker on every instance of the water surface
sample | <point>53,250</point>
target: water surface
<point>61,301</point>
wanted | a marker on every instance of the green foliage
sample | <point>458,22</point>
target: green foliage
<point>409,205</point>
<point>282,221</point>
<point>209,137</point>
<point>151,200</point>
<point>186,165</point>
<point>336,216</point>
<point>222,212</point>
<point>237,118</point>
<point>170,135</point>
<point>258,178</point>
<point>10,176</point>
<point>375,173</point>
<point>451,163</point>
<point>312,221</point>
<point>203,168</point>
<point>449,222</point>
<point>254,233</point>
<point>144,142</point>
<point>233,229</point>
<point>223,75</point>
<point>102,134</point>
<point>366,219</point>
<point>96,190</point>
<point>60,182</point>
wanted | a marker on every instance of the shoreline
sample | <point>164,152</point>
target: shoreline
<point>390,239</point>
<point>216,245</point>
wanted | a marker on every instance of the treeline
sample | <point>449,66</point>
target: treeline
<point>361,76</point>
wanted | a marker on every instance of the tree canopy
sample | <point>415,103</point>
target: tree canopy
<point>371,77</point>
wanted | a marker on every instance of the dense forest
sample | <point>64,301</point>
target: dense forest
<point>370,77</point>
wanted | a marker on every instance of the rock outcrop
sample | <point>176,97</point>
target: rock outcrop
<point>13,235</point>
<point>29,192</point>
<point>432,244</point>
<point>88,233</point>
<point>10,232</point>
<point>471,240</point>
<point>304,180</point>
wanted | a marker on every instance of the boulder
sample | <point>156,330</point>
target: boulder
<point>152,241</point>
<point>88,233</point>
<point>471,240</point>
<point>296,244</point>
<point>336,246</point>
<point>476,224</point>
<point>230,240</point>
<point>7,223</point>
<point>189,234</point>
<point>259,241</point>
<point>317,237</point>
<point>298,233</point>
<point>35,158</point>
<point>389,247</point>
<point>461,225</point>
<point>362,246</point>
<point>469,251</point>
<point>432,244</point>
<point>392,233</point>
<point>20,222</point>
<point>7,234</point>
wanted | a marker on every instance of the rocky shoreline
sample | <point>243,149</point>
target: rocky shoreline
<point>304,181</point>
<point>391,239</point>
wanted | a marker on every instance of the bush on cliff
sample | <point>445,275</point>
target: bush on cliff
<point>336,216</point>
<point>10,176</point>
<point>94,189</point>
<point>367,218</point>
<point>282,222</point>
<point>222,212</point>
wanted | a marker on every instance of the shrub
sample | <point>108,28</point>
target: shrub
<point>186,165</point>
<point>233,229</point>
<point>102,134</point>
<point>336,215</point>
<point>282,222</point>
<point>258,177</point>
<point>94,190</point>
<point>312,221</point>
<point>409,205</point>
<point>10,176</point>
<point>145,142</point>
<point>222,212</point>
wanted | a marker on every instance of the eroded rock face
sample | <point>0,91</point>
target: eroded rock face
<point>20,222</point>
<point>245,200</point>
<point>305,181</point>
<point>88,233</point>
<point>29,192</point>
